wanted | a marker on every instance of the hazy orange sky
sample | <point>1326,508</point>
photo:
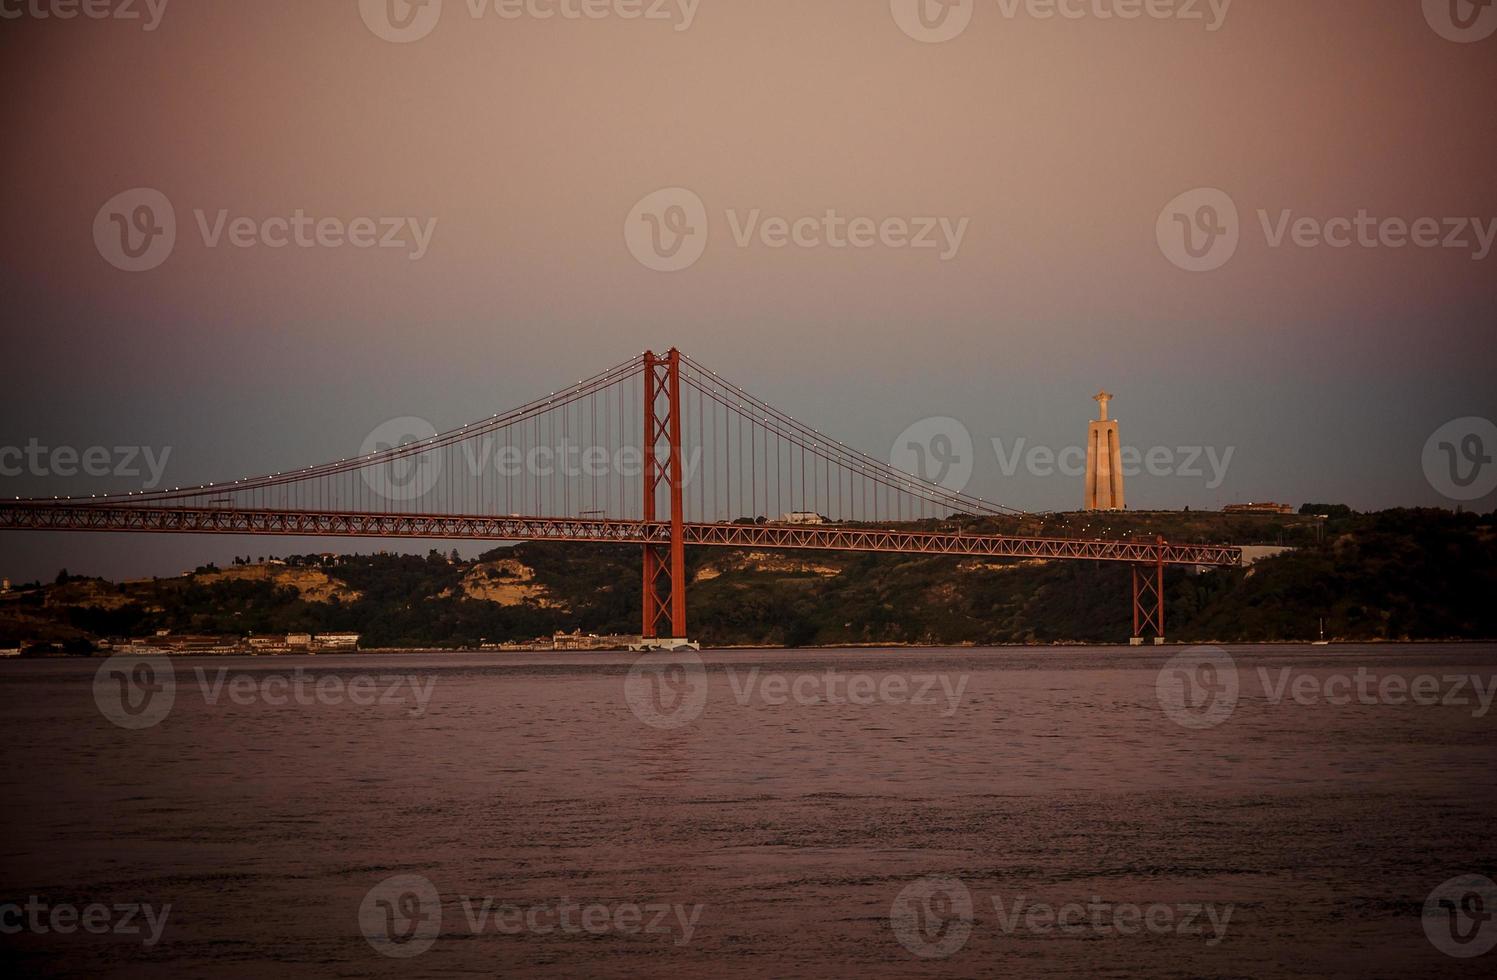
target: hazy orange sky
<point>523,144</point>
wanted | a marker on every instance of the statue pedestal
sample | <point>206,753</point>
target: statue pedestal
<point>1104,467</point>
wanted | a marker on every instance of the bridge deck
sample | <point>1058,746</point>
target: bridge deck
<point>196,520</point>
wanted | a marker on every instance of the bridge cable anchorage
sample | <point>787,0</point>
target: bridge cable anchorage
<point>657,451</point>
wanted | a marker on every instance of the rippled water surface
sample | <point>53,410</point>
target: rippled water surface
<point>1047,776</point>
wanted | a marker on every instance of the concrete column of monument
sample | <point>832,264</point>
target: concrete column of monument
<point>1104,463</point>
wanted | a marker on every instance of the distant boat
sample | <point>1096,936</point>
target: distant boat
<point>1322,642</point>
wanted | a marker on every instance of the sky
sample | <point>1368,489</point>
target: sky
<point>1023,186</point>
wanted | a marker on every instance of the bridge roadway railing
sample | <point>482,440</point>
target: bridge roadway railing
<point>49,516</point>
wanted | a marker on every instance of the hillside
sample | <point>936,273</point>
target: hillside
<point>1404,574</point>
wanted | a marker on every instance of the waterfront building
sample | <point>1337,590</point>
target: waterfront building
<point>337,641</point>
<point>1263,508</point>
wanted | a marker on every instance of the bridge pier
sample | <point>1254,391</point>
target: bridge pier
<point>1148,602</point>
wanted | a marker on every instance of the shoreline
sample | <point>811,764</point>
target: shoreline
<point>402,651</point>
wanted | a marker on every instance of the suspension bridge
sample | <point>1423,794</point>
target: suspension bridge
<point>657,451</point>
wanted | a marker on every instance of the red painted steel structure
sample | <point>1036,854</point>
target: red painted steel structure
<point>1148,597</point>
<point>47,516</point>
<point>664,563</point>
<point>750,459</point>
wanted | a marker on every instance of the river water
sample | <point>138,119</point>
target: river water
<point>860,813</point>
